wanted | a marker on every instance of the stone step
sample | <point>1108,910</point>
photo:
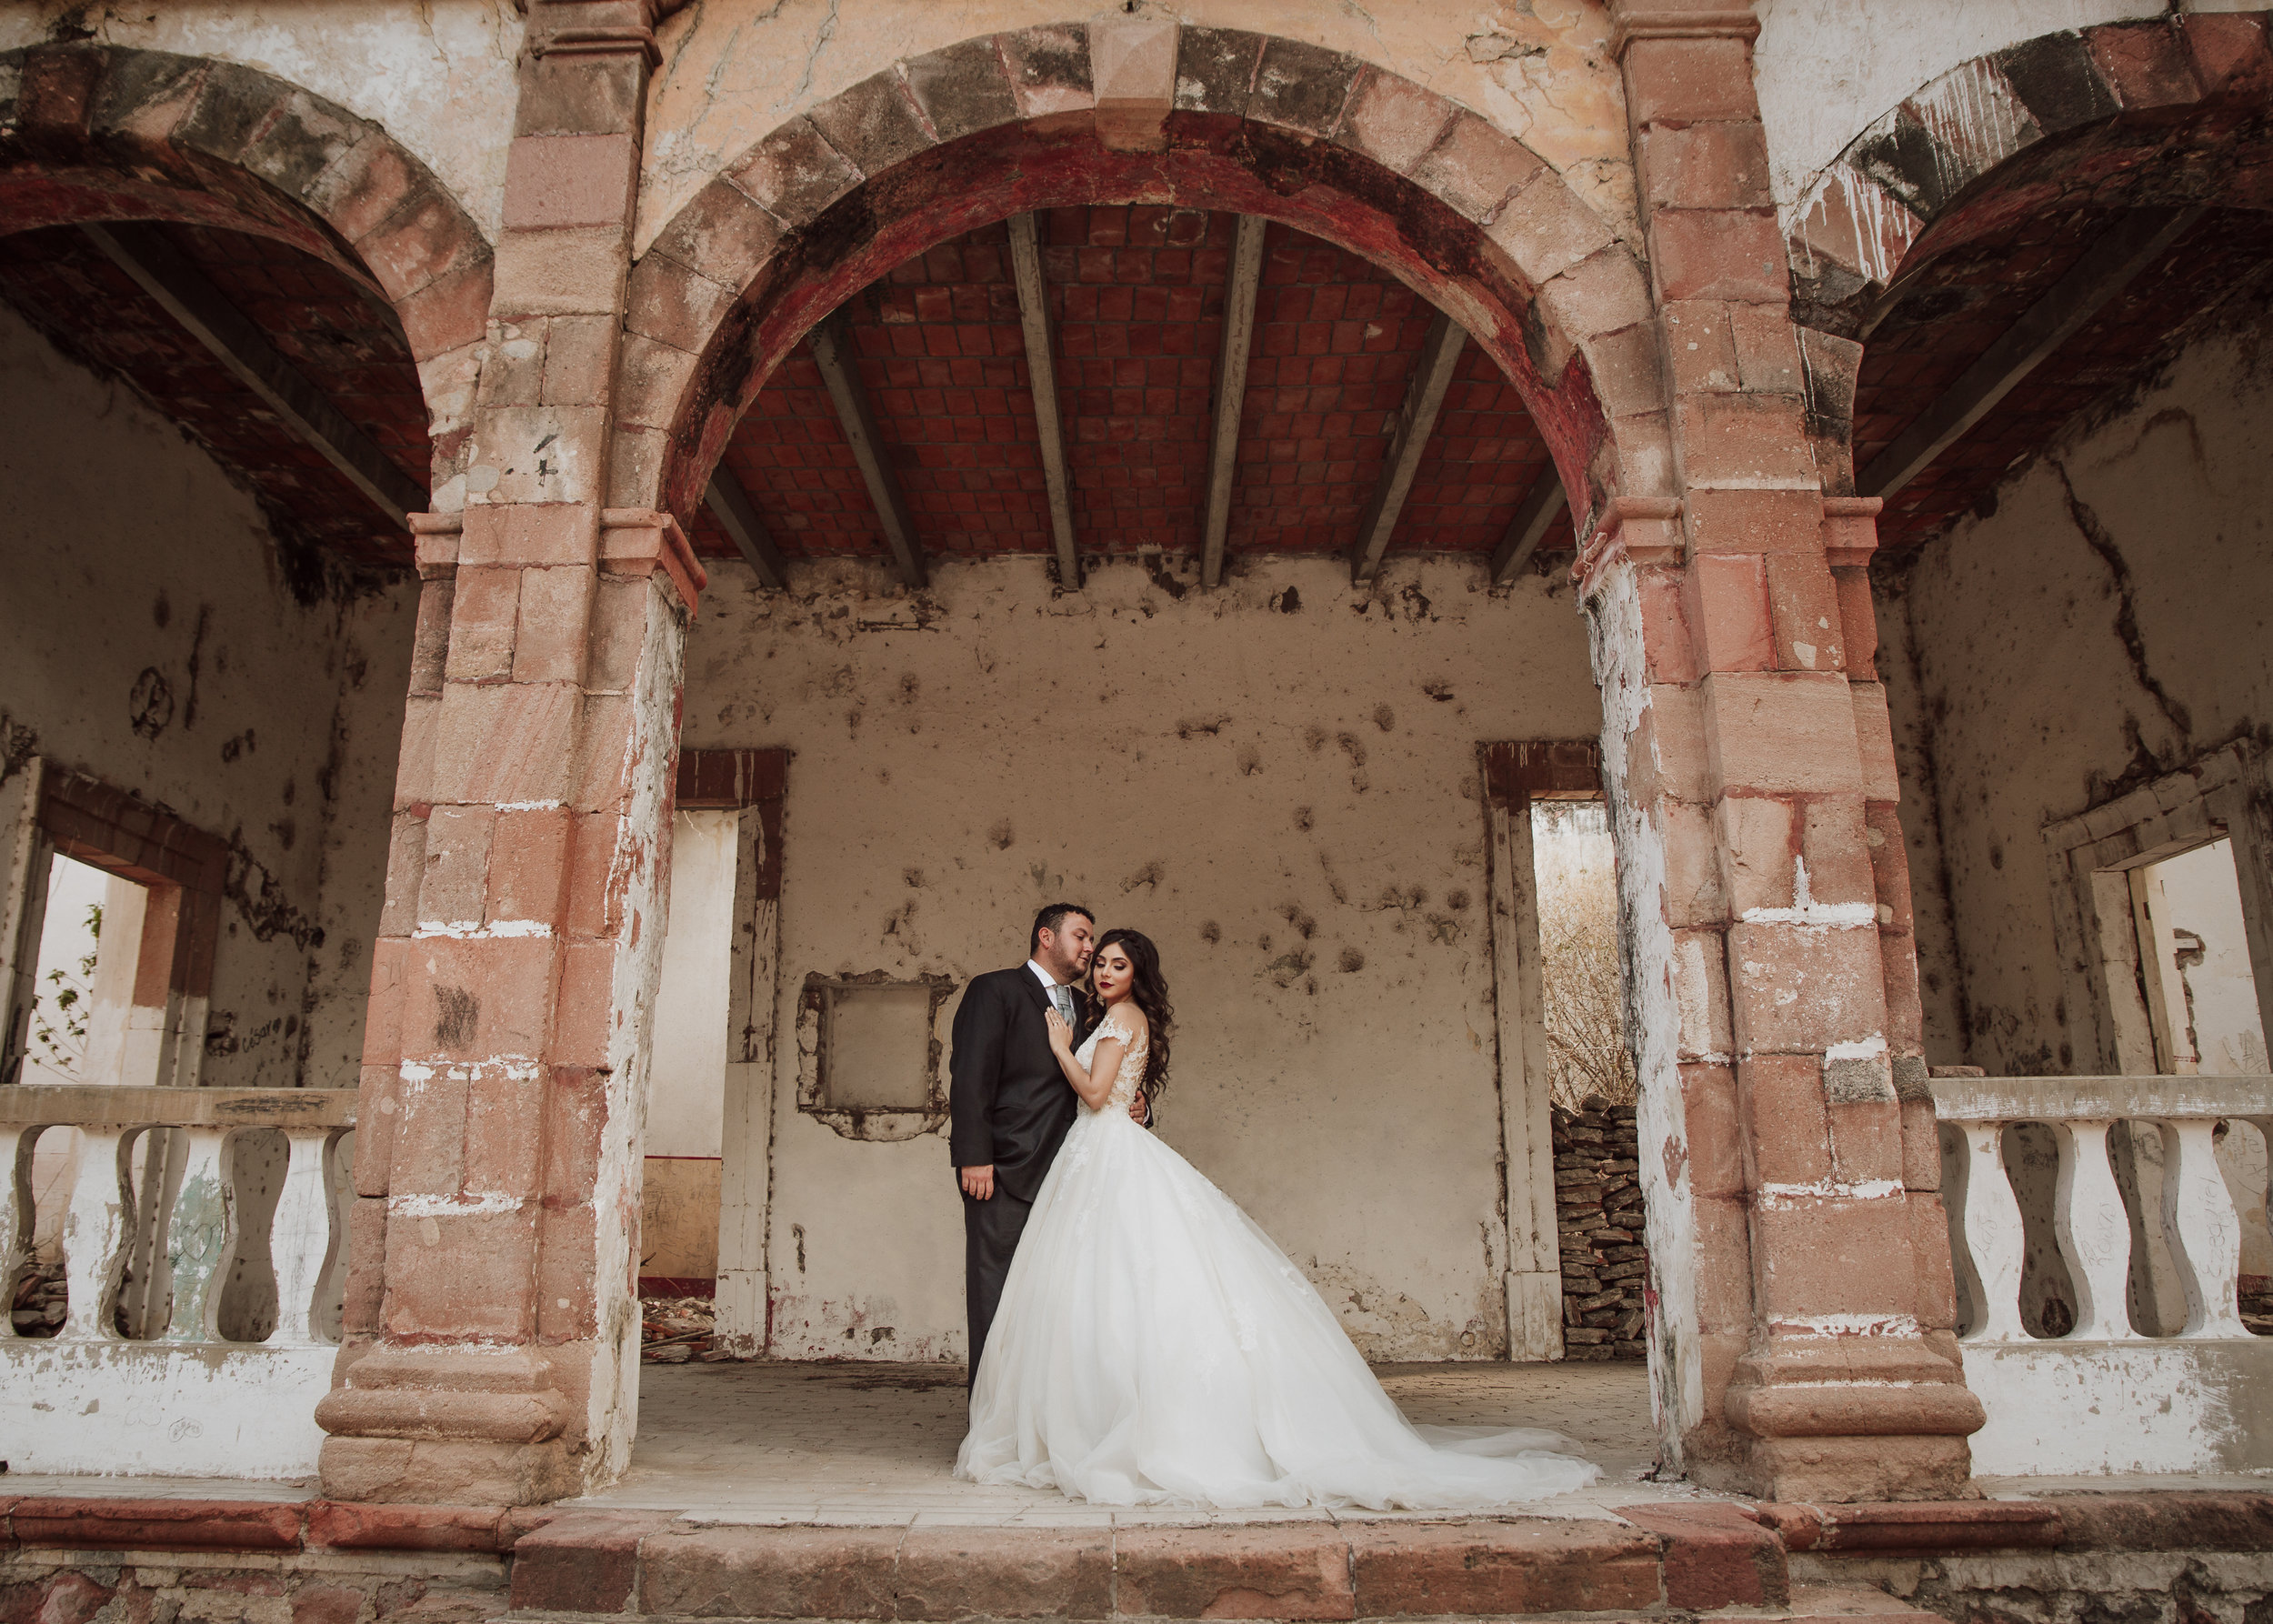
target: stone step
<point>70,1555</point>
<point>1833,1604</point>
<point>1645,1562</point>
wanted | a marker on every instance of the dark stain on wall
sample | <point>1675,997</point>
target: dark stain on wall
<point>264,906</point>
<point>150,703</point>
<point>458,1017</point>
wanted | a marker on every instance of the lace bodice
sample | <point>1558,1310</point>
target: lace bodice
<point>1119,1024</point>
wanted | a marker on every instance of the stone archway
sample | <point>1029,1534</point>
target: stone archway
<point>101,133</point>
<point>1008,122</point>
<point>1773,1019</point>
<point>2121,116</point>
<point>837,197</point>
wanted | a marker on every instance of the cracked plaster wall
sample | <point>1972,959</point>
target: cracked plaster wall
<point>437,74</point>
<point>1277,782</point>
<point>144,587</point>
<point>2105,623</point>
<point>735,70</point>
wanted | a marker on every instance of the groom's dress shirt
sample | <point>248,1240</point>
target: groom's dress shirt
<point>1061,995</point>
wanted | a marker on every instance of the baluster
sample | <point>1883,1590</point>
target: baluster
<point>2205,1234</point>
<point>94,1233</point>
<point>1992,1234</point>
<point>299,1238</point>
<point>15,1215</point>
<point>339,1190</point>
<point>2093,1229</point>
<point>200,1238</point>
<point>2265,1133</point>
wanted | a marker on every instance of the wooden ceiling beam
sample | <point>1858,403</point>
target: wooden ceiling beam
<point>1415,421</point>
<point>832,352</point>
<point>235,340</point>
<point>738,517</point>
<point>1231,391</point>
<point>2071,301</point>
<point>1041,368</point>
<point>1542,504</point>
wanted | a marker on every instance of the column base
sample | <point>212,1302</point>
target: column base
<point>442,1425</point>
<point>448,1472</point>
<point>1833,1419</point>
<point>1842,1470</point>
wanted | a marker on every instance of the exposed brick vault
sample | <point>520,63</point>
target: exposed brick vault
<point>1703,382</point>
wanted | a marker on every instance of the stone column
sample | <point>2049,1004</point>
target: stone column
<point>491,1335</point>
<point>1802,1340</point>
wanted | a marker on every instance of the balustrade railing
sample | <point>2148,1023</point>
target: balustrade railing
<point>157,1367</point>
<point>2107,1397</point>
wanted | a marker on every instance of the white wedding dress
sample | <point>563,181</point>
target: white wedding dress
<point>1154,1346</point>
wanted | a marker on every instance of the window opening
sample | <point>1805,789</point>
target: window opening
<point>76,1034</point>
<point>64,1045</point>
<point>876,1048</point>
<point>2202,1002</point>
<point>2201,995</point>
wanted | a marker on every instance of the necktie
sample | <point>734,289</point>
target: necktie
<point>1062,999</point>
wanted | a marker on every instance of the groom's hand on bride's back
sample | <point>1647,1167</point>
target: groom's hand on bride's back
<point>978,1183</point>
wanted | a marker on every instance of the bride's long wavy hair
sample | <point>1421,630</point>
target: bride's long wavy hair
<point>1149,991</point>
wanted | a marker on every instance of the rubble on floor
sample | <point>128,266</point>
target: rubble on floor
<point>675,1330</point>
<point>1598,1216</point>
<point>41,1300</point>
<point>2254,1298</point>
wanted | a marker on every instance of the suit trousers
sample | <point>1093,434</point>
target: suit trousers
<point>990,1238</point>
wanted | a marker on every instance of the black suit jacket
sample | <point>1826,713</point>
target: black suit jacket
<point>1009,1102</point>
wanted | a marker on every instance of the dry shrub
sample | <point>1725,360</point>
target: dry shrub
<point>1578,954</point>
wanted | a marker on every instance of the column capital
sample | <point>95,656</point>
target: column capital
<point>595,27</point>
<point>1631,22</point>
<point>435,536</point>
<point>642,540</point>
<point>1635,529</point>
<point>1851,529</point>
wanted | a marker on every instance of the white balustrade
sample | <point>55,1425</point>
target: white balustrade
<point>2107,1398</point>
<point>188,1399</point>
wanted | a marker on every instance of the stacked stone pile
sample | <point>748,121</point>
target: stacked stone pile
<point>1598,1216</point>
<point>42,1299</point>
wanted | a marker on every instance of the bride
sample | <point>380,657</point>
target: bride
<point>1153,1345</point>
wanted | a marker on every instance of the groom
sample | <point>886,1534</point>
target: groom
<point>1009,1105</point>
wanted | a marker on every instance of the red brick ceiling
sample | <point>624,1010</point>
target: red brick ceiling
<point>1136,298</point>
<point>1136,301</point>
<point>336,335</point>
<point>1965,299</point>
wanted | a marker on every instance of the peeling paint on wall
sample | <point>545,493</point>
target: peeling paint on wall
<point>173,662</point>
<point>1178,763</point>
<point>2103,622</point>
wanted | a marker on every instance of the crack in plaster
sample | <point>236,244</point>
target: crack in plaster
<point>2101,541</point>
<point>821,36</point>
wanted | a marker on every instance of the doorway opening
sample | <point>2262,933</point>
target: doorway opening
<point>708,1141</point>
<point>2201,994</point>
<point>1587,1057</point>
